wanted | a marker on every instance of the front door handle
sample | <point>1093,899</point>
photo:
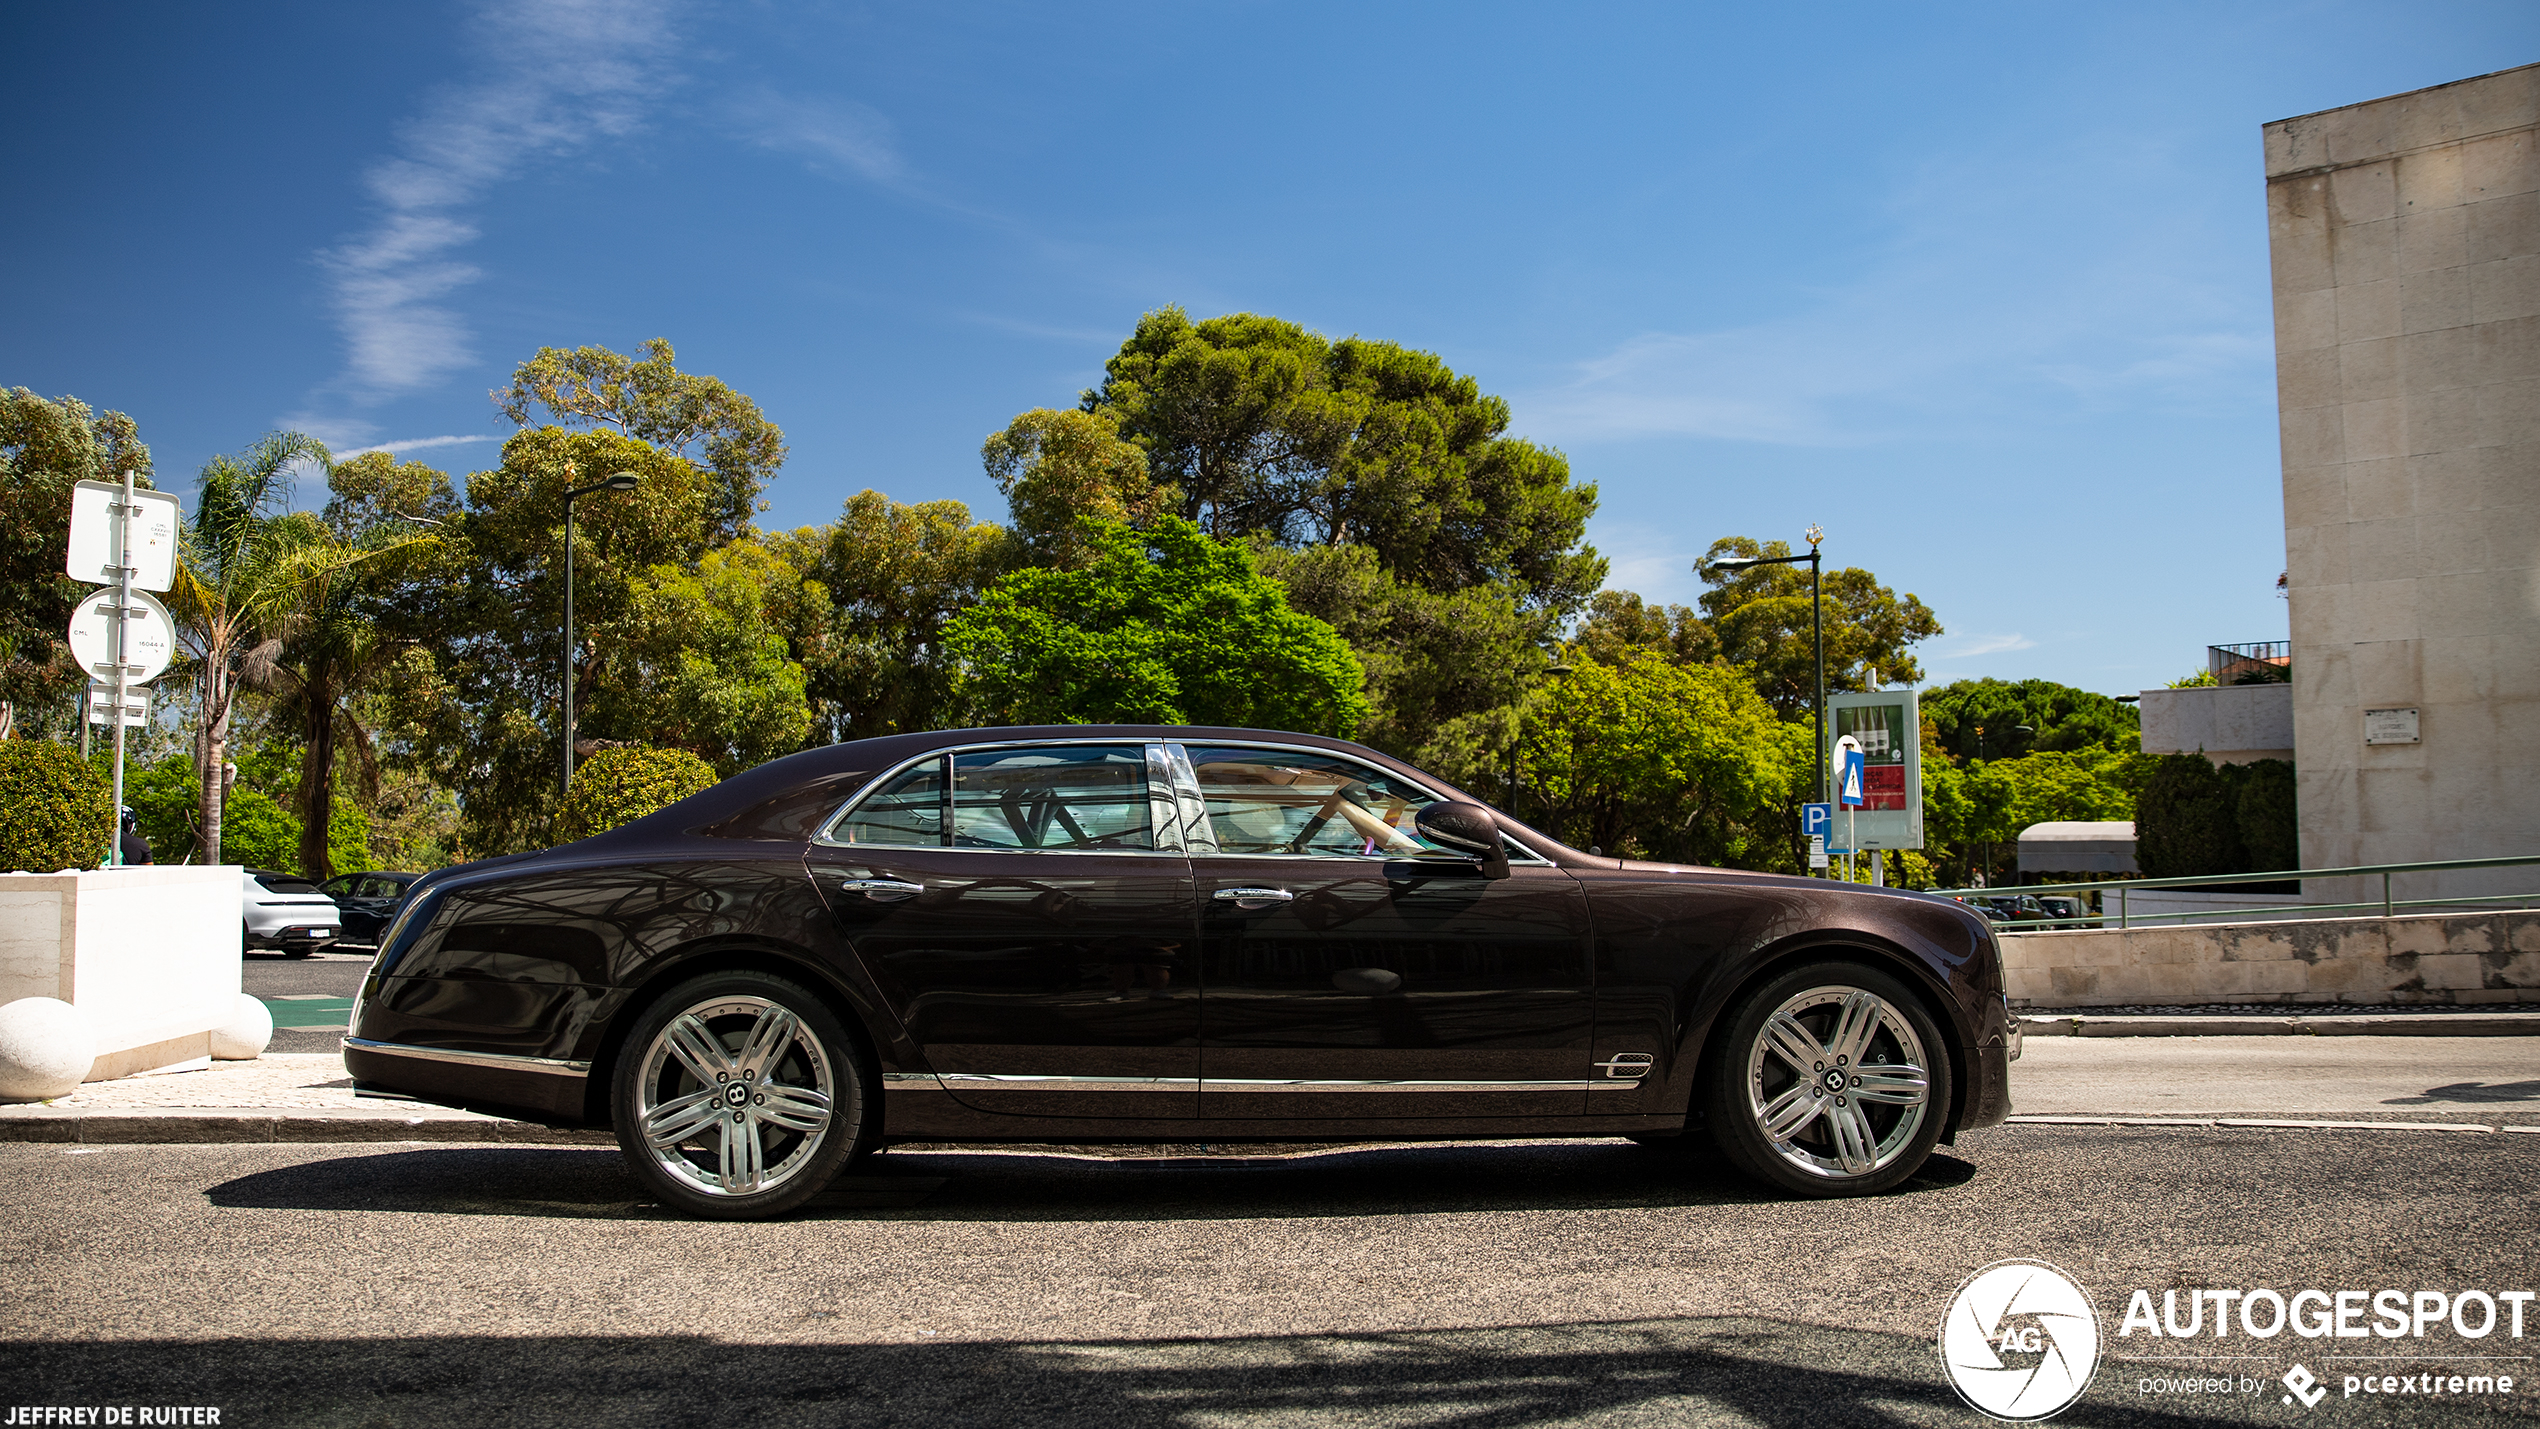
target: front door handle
<point>1253,897</point>
<point>882,890</point>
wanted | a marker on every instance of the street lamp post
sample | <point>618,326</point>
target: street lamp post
<point>1817,626</point>
<point>622,481</point>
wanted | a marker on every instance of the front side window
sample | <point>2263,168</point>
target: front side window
<point>1282,801</point>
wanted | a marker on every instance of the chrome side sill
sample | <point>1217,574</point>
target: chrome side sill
<point>495,1061</point>
<point>1223,1086</point>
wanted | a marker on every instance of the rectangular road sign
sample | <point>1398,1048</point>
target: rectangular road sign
<point>1848,790</point>
<point>92,547</point>
<point>101,706</point>
<point>1814,819</point>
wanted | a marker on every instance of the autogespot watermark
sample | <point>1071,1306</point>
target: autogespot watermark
<point>2021,1341</point>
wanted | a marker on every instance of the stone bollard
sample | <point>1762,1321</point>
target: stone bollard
<point>46,1048</point>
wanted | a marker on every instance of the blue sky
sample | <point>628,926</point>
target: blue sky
<point>1983,289</point>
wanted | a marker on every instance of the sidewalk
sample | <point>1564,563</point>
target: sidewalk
<point>2286,1021</point>
<point>287,1096</point>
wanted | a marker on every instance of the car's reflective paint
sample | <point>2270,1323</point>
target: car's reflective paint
<point>1027,994</point>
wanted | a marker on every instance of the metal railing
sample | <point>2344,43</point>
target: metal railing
<point>2121,887</point>
<point>2256,662</point>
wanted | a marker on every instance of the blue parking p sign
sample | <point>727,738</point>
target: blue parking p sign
<point>1815,819</point>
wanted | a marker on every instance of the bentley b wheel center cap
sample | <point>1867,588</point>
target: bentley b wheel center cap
<point>736,1095</point>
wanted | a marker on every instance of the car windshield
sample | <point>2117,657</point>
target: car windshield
<point>285,883</point>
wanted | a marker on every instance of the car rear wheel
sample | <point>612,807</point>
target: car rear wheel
<point>738,1096</point>
<point>1831,1081</point>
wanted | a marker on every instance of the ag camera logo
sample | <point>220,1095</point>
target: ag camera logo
<point>2020,1341</point>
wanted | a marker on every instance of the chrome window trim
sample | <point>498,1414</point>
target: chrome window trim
<point>1241,1086</point>
<point>498,1061</point>
<point>1188,795</point>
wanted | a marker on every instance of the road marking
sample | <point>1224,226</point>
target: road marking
<point>302,997</point>
<point>2262,1123</point>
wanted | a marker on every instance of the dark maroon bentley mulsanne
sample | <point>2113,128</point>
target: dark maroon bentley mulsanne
<point>1135,933</point>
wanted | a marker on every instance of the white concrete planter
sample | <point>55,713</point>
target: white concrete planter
<point>149,956</point>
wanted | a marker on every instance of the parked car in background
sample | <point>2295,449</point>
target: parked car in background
<point>2010,907</point>
<point>286,913</point>
<point>368,901</point>
<point>1167,934</point>
<point>2065,910</point>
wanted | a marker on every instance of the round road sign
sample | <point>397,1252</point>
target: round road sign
<point>149,637</point>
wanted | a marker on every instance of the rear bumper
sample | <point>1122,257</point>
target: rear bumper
<point>295,935</point>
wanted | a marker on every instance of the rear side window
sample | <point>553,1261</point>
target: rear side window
<point>1087,798</point>
<point>908,810</point>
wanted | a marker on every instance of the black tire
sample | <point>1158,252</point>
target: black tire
<point>1836,1018</point>
<point>697,1068</point>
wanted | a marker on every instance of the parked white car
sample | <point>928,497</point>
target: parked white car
<point>286,913</point>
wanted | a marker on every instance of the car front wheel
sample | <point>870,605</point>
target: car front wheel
<point>738,1096</point>
<point>1832,1081</point>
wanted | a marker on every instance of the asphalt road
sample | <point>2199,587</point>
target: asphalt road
<point>2420,1078</point>
<point>1466,1285</point>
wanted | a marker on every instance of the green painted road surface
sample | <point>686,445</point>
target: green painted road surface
<point>307,1010</point>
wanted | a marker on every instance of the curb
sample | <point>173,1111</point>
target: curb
<point>247,1125</point>
<point>2431,1024</point>
<point>2211,1123</point>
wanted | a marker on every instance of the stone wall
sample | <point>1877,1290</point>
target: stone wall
<point>2405,239</point>
<point>2229,724</point>
<point>2457,958</point>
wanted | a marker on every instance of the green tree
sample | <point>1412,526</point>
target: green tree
<point>341,639</point>
<point>649,399</point>
<point>700,660</point>
<point>1444,669</point>
<point>1620,624</point>
<point>46,447</point>
<point>479,696</point>
<point>247,560</point>
<point>1763,617</point>
<point>895,575</point>
<point>1163,626</point>
<point>2063,718</point>
<point>1264,427</point>
<point>1650,758</point>
<point>2270,823</point>
<point>1058,468</point>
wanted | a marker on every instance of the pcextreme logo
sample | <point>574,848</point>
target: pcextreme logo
<point>2020,1340</point>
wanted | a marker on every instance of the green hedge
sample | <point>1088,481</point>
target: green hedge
<point>619,786</point>
<point>2195,819</point>
<point>55,811</point>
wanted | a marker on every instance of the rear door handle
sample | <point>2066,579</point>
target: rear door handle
<point>882,890</point>
<point>1253,897</point>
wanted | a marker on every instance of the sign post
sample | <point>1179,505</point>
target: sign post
<point>109,546</point>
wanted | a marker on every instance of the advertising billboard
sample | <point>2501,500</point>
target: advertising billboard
<point>1887,724</point>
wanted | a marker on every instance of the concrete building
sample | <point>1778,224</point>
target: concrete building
<point>2229,724</point>
<point>2406,243</point>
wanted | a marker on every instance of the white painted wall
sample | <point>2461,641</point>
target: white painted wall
<point>150,954</point>
<point>2229,724</point>
<point>2405,236</point>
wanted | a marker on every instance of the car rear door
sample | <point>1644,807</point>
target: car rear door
<point>1027,910</point>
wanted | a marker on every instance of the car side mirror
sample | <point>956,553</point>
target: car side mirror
<point>1467,829</point>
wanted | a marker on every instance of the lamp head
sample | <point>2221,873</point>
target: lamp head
<point>623,481</point>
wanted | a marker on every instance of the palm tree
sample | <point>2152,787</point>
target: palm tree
<point>333,652</point>
<point>245,562</point>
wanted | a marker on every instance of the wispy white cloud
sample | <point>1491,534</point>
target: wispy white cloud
<point>1968,647</point>
<point>415,444</point>
<point>557,76</point>
<point>833,133</point>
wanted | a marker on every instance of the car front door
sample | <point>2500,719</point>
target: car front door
<point>1355,972</point>
<point>1027,911</point>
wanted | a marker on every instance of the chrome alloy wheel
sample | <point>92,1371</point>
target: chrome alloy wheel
<point>1837,1082</point>
<point>734,1096</point>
